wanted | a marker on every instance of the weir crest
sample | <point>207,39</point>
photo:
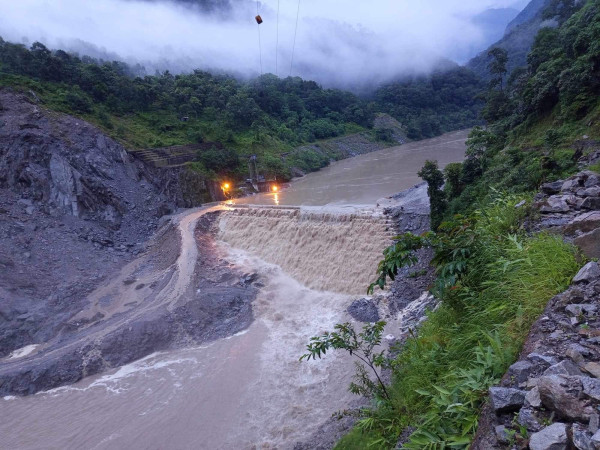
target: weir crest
<point>324,251</point>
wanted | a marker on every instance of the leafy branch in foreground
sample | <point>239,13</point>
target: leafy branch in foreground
<point>362,345</point>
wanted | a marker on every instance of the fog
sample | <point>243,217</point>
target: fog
<point>344,43</point>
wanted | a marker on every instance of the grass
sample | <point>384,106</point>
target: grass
<point>441,376</point>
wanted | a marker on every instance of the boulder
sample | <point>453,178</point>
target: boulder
<point>533,398</point>
<point>506,399</point>
<point>588,273</point>
<point>519,371</point>
<point>528,419</point>
<point>591,203</point>
<point>565,367</point>
<point>573,353</point>
<point>596,440</point>
<point>591,387</point>
<point>584,223</point>
<point>594,423</point>
<point>578,309</point>
<point>592,180</point>
<point>589,243</point>
<point>556,204</point>
<point>364,310</point>
<point>502,434</point>
<point>539,359</point>
<point>591,192</point>
<point>561,394</point>
<point>553,437</point>
<point>582,438</point>
<point>552,188</point>
<point>593,368</point>
<point>570,184</point>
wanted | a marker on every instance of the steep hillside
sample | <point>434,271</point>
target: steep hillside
<point>493,23</point>
<point>517,40</point>
<point>75,206</point>
<point>267,116</point>
<point>528,13</point>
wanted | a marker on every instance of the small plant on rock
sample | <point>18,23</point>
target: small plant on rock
<point>363,346</point>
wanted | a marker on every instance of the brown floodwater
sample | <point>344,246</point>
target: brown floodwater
<point>364,179</point>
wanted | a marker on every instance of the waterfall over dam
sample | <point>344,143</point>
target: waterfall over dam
<point>325,251</point>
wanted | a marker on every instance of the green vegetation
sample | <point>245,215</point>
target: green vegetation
<point>493,277</point>
<point>267,116</point>
<point>430,105</point>
<point>362,345</point>
<point>494,280</point>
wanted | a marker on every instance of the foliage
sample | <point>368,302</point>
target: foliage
<point>398,255</point>
<point>219,161</point>
<point>362,345</point>
<point>266,116</point>
<point>497,67</point>
<point>453,416</point>
<point>430,105</point>
<point>494,280</point>
<point>454,183</point>
<point>437,197</point>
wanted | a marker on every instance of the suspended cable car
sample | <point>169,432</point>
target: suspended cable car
<point>258,19</point>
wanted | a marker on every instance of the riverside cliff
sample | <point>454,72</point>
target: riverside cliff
<point>77,214</point>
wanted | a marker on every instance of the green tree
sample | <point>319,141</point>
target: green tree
<point>497,67</point>
<point>437,197</point>
<point>454,183</point>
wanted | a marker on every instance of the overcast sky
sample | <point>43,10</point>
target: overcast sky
<point>338,41</point>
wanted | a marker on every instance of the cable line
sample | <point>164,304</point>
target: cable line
<point>295,34</point>
<point>258,22</point>
<point>277,42</point>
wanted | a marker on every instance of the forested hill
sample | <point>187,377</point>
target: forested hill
<point>266,115</point>
<point>536,119</point>
<point>430,105</point>
<point>521,32</point>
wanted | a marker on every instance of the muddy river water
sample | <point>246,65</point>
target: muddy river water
<point>248,391</point>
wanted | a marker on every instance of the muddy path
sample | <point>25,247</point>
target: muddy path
<point>177,293</point>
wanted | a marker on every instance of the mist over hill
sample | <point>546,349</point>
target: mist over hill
<point>341,44</point>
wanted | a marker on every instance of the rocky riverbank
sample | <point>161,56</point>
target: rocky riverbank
<point>550,398</point>
<point>176,294</point>
<point>81,279</point>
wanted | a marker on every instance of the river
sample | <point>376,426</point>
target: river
<point>364,179</point>
<point>248,391</point>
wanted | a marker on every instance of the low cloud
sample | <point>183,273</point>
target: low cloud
<point>345,43</point>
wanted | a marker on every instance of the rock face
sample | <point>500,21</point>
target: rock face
<point>75,209</point>
<point>65,166</point>
<point>572,207</point>
<point>560,363</point>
